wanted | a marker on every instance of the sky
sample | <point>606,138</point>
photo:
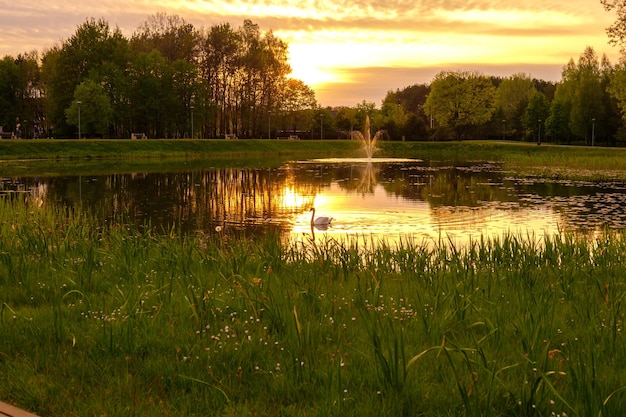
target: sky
<point>350,51</point>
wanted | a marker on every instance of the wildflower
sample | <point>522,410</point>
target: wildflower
<point>553,352</point>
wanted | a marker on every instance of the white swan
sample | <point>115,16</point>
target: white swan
<point>320,223</point>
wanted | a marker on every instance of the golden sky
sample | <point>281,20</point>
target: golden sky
<point>350,51</point>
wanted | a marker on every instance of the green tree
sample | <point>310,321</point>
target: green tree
<point>298,103</point>
<point>346,120</point>
<point>587,103</point>
<point>461,99</point>
<point>412,100</point>
<point>366,108</point>
<point>617,86</point>
<point>9,96</point>
<point>148,79</point>
<point>514,93</point>
<point>92,103</point>
<point>535,116</point>
<point>20,94</point>
<point>557,122</point>
<point>394,119</point>
<point>93,47</point>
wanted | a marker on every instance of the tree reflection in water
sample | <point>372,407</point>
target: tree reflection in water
<point>390,200</point>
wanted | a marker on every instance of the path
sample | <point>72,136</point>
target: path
<point>7,410</point>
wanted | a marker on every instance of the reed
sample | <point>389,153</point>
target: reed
<point>125,320</point>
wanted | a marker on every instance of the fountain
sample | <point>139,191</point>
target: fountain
<point>368,142</point>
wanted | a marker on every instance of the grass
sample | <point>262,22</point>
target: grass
<point>44,157</point>
<point>123,321</point>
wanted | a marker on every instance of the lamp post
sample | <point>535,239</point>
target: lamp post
<point>503,122</point>
<point>79,103</point>
<point>593,131</point>
<point>539,135</point>
<point>321,126</point>
<point>192,131</point>
<point>269,124</point>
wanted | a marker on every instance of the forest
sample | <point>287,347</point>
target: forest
<point>173,80</point>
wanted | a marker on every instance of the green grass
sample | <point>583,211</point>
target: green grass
<point>183,148</point>
<point>122,321</point>
<point>46,157</point>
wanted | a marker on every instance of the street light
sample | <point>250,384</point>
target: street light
<point>192,132</point>
<point>269,124</point>
<point>539,135</point>
<point>79,103</point>
<point>593,131</point>
<point>503,122</point>
<point>321,125</point>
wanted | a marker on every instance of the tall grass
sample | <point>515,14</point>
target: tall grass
<point>123,321</point>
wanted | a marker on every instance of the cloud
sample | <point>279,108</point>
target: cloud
<point>373,83</point>
<point>390,38</point>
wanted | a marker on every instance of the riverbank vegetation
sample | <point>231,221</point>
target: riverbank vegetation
<point>119,320</point>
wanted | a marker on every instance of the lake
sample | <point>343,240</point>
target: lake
<point>390,199</point>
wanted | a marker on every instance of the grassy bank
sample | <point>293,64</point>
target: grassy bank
<point>28,157</point>
<point>165,149</point>
<point>119,322</point>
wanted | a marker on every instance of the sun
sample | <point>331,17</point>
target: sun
<point>312,76</point>
<point>309,63</point>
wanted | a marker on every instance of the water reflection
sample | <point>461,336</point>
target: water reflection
<point>386,199</point>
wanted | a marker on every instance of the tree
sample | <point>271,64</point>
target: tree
<point>411,100</point>
<point>93,47</point>
<point>264,70</point>
<point>219,66</point>
<point>91,100</point>
<point>461,99</point>
<point>587,105</point>
<point>9,95</point>
<point>617,31</point>
<point>346,119</point>
<point>169,34</point>
<point>617,87</point>
<point>298,102</point>
<point>557,122</point>
<point>394,119</point>
<point>536,114</point>
<point>363,109</point>
<point>582,93</point>
<point>149,76</point>
<point>513,96</point>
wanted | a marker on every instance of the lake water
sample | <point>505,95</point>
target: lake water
<point>390,199</point>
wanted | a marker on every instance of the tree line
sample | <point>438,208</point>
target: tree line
<point>172,80</point>
<point>169,80</point>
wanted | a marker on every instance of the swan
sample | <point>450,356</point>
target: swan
<point>320,223</point>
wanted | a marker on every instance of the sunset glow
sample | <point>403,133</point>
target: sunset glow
<point>339,47</point>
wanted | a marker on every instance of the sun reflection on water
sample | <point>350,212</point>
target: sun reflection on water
<point>390,200</point>
<point>371,212</point>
